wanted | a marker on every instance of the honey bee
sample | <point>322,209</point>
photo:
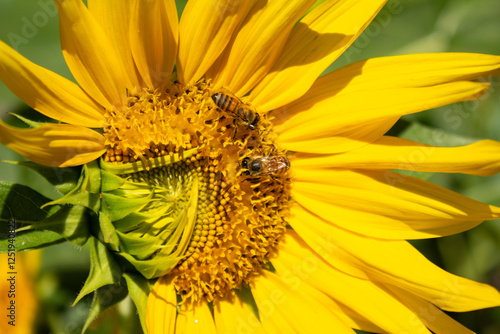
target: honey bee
<point>241,112</point>
<point>274,166</point>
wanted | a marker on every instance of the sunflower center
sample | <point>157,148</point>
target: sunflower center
<point>217,187</point>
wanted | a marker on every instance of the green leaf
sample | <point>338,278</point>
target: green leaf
<point>71,222</point>
<point>139,289</point>
<point>63,179</point>
<point>118,207</point>
<point>103,269</point>
<point>22,204</point>
<point>31,240</point>
<point>104,298</point>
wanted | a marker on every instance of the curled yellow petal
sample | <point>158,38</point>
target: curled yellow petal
<point>48,92</point>
<point>54,145</point>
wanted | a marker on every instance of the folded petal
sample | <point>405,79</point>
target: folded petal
<point>48,92</point>
<point>314,43</point>
<point>90,56</point>
<point>154,35</point>
<point>387,205</point>
<point>257,44</point>
<point>162,307</point>
<point>234,316</point>
<point>206,28</point>
<point>195,319</point>
<point>344,112</point>
<point>114,16</point>
<point>396,263</point>
<point>54,145</point>
<point>375,310</point>
<point>480,158</point>
<point>286,310</point>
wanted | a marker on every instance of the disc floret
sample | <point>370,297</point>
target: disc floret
<point>203,220</point>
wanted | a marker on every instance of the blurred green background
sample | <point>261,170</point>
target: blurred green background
<point>402,27</point>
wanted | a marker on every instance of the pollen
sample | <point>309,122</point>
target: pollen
<point>215,187</point>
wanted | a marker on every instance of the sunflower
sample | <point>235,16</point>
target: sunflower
<point>256,193</point>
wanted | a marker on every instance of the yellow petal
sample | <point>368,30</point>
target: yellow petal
<point>481,158</point>
<point>54,145</point>
<point>339,114</point>
<point>205,29</point>
<point>162,307</point>
<point>154,36</point>
<point>195,319</point>
<point>438,321</point>
<point>379,88</point>
<point>236,317</point>
<point>387,205</point>
<point>48,92</point>
<point>114,17</point>
<point>371,303</point>
<point>344,140</point>
<point>315,42</point>
<point>397,263</point>
<point>283,309</point>
<point>260,39</point>
<point>89,54</point>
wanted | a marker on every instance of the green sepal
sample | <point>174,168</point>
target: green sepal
<point>110,181</point>
<point>86,192</point>
<point>29,122</point>
<point>93,181</point>
<point>154,267</point>
<point>130,221</point>
<point>104,270</point>
<point>118,207</point>
<point>104,298</point>
<point>108,231</point>
<point>63,179</point>
<point>139,289</point>
<point>141,248</point>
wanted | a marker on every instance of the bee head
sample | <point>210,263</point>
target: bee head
<point>216,97</point>
<point>253,123</point>
<point>252,166</point>
<point>244,165</point>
